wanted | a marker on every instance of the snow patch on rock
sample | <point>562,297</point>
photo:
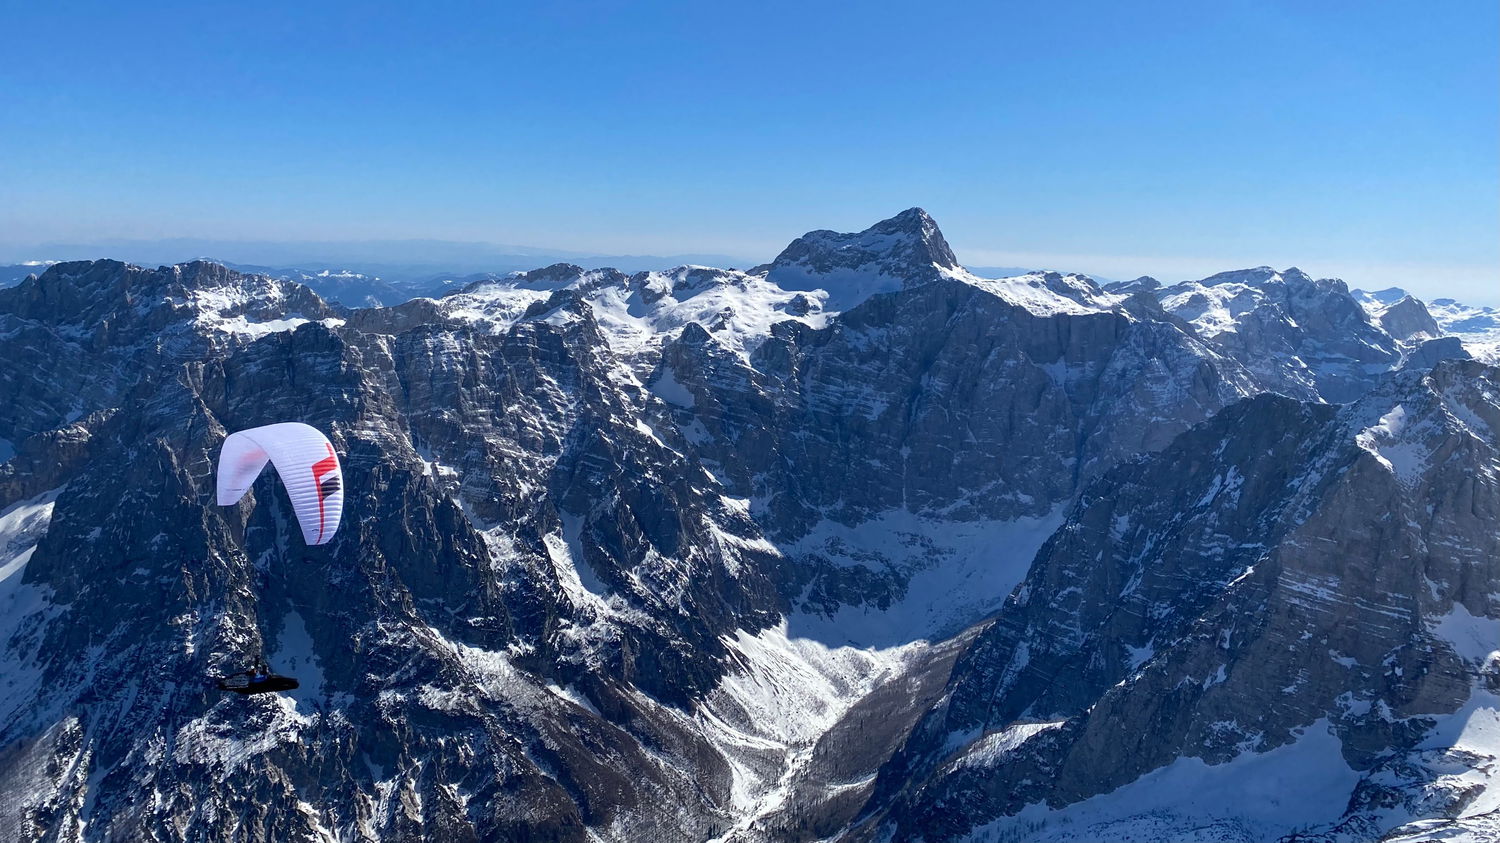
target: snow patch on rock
<point>960,571</point>
<point>1391,442</point>
<point>1476,639</point>
<point>996,746</point>
<point>22,525</point>
<point>1253,797</point>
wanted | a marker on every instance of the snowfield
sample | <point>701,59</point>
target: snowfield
<point>1254,798</point>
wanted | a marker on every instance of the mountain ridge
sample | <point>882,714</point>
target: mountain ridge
<point>664,545</point>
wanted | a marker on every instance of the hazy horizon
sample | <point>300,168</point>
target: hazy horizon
<point>445,256</point>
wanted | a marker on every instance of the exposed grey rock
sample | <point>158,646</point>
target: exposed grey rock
<point>1279,566</point>
<point>76,338</point>
<point>1452,317</point>
<point>1408,319</point>
<point>1302,337</point>
<point>907,249</point>
<point>1431,352</point>
<point>423,634</point>
<point>1143,284</point>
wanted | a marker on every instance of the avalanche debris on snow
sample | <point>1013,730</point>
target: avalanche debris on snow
<point>765,716</point>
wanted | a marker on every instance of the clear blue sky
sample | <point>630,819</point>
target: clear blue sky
<point>1358,139</point>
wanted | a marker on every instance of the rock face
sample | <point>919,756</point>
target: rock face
<point>945,400</point>
<point>1302,337</point>
<point>905,250</point>
<point>1478,328</point>
<point>855,542</point>
<point>77,337</point>
<point>455,675</point>
<point>1281,574</point>
<point>1408,319</point>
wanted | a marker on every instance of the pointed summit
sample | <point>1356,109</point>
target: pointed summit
<point>1409,319</point>
<point>905,250</point>
<point>918,225</point>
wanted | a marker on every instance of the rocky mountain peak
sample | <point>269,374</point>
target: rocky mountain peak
<point>1478,328</point>
<point>1399,313</point>
<point>1294,275</point>
<point>1254,276</point>
<point>1388,296</point>
<point>87,292</point>
<point>1079,288</point>
<point>1143,284</point>
<point>917,224</point>
<point>103,323</point>
<point>1408,319</point>
<point>555,275</point>
<point>905,249</point>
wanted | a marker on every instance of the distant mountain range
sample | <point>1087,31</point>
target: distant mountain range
<point>1474,324</point>
<point>394,261</point>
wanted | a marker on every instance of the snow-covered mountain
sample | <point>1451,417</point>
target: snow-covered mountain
<point>1304,337</point>
<point>1477,327</point>
<point>854,544</point>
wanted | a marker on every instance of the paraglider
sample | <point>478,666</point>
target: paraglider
<point>309,469</point>
<point>306,463</point>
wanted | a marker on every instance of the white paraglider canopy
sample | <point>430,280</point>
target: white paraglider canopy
<point>304,460</point>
